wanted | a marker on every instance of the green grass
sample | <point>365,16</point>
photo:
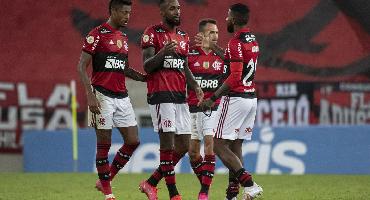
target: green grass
<point>80,186</point>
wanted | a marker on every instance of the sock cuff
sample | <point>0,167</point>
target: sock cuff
<point>239,172</point>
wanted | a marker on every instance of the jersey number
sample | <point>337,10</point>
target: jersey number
<point>252,65</point>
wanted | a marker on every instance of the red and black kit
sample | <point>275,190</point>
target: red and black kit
<point>208,72</point>
<point>168,83</point>
<point>243,47</point>
<point>109,50</point>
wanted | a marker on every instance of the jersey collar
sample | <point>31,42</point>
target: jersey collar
<point>109,27</point>
<point>202,52</point>
<point>166,28</point>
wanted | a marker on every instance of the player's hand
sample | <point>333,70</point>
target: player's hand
<point>206,104</point>
<point>200,94</point>
<point>202,40</point>
<point>93,104</point>
<point>169,47</point>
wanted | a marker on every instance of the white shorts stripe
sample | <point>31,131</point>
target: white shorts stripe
<point>222,118</point>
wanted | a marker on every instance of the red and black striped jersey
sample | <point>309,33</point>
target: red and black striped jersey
<point>243,47</point>
<point>109,50</point>
<point>168,83</point>
<point>208,72</point>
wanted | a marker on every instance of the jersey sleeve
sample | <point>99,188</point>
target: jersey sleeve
<point>91,42</point>
<point>149,38</point>
<point>235,51</point>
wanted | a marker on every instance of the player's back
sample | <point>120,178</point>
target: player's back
<point>244,48</point>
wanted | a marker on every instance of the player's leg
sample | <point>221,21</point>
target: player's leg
<point>103,144</point>
<point>232,190</point>
<point>162,117</point>
<point>124,119</point>
<point>209,162</point>
<point>233,114</point>
<point>250,107</point>
<point>182,137</point>
<point>183,130</point>
<point>123,155</point>
<point>196,160</point>
<point>103,124</point>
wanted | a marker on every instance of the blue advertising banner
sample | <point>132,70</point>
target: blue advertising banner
<point>285,150</point>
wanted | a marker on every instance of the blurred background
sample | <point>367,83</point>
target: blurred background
<point>313,80</point>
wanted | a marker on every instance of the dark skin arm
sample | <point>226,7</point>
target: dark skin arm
<point>153,61</point>
<point>83,64</point>
<point>192,83</point>
<point>135,75</point>
<point>209,103</point>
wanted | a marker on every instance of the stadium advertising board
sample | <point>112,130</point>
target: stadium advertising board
<point>287,150</point>
<point>279,105</point>
<point>23,109</point>
<point>308,103</point>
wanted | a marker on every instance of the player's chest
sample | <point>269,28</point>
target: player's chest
<point>182,41</point>
<point>113,43</point>
<point>206,64</point>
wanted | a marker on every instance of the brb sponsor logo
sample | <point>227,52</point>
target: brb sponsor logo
<point>173,63</point>
<point>204,83</point>
<point>114,63</point>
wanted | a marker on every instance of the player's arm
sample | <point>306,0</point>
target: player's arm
<point>83,64</point>
<point>218,50</point>
<point>232,80</point>
<point>192,83</point>
<point>153,61</point>
<point>135,75</point>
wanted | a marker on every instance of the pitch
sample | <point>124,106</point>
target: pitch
<point>62,186</point>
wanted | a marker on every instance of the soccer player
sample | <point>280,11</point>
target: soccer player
<point>109,105</point>
<point>165,51</point>
<point>207,68</point>
<point>239,102</point>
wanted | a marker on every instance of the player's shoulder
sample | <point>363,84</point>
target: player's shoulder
<point>100,30</point>
<point>246,37</point>
<point>156,28</point>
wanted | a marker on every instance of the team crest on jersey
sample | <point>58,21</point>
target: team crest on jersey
<point>119,43</point>
<point>183,45</point>
<point>205,65</point>
<point>90,39</point>
<point>217,65</point>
